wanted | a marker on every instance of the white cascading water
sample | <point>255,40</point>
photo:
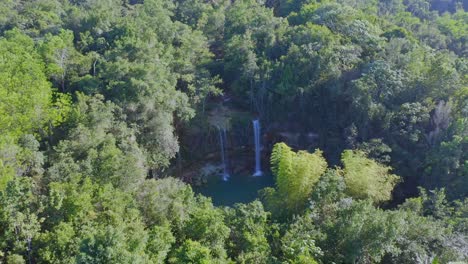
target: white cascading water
<point>258,167</point>
<point>222,143</point>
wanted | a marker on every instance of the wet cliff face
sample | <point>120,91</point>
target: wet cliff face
<point>232,116</point>
<point>229,140</point>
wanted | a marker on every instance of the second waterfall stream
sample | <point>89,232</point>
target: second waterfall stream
<point>258,166</point>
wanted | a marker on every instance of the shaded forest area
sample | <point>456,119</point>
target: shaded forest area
<point>109,110</point>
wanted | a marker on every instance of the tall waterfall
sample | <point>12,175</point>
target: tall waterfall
<point>224,158</point>
<point>258,167</point>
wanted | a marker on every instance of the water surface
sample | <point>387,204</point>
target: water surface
<point>238,189</point>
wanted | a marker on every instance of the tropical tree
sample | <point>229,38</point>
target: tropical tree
<point>366,178</point>
<point>296,173</point>
<point>250,228</point>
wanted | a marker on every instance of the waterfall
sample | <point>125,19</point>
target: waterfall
<point>258,167</point>
<point>224,158</point>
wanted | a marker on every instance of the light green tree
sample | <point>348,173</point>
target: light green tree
<point>26,104</point>
<point>191,252</point>
<point>295,173</point>
<point>366,178</point>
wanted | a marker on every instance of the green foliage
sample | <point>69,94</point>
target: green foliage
<point>20,159</point>
<point>15,259</point>
<point>169,202</point>
<point>64,64</point>
<point>330,188</point>
<point>298,243</point>
<point>296,173</point>
<point>160,240</point>
<point>6,174</point>
<point>449,159</point>
<point>165,201</point>
<point>192,252</point>
<point>248,239</point>
<point>425,239</point>
<point>206,225</point>
<point>99,146</point>
<point>95,97</point>
<point>93,223</point>
<point>361,232</point>
<point>26,104</point>
<point>366,178</point>
<point>105,244</point>
<point>19,222</point>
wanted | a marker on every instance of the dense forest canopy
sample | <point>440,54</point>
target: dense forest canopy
<point>110,113</point>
